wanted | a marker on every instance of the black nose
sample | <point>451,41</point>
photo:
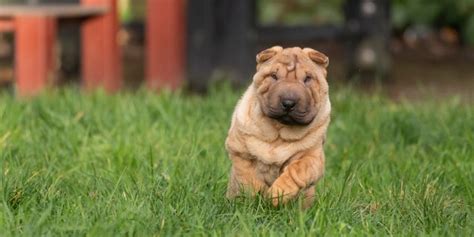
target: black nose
<point>288,104</point>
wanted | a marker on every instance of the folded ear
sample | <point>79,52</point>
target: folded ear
<point>266,54</point>
<point>317,57</point>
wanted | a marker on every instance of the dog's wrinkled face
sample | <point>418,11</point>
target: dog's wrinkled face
<point>291,84</point>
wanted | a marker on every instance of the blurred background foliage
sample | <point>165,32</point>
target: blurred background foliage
<point>132,10</point>
<point>298,12</point>
<point>458,14</point>
<point>433,14</point>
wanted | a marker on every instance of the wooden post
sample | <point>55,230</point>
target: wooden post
<point>7,25</point>
<point>165,43</point>
<point>101,54</point>
<point>35,56</point>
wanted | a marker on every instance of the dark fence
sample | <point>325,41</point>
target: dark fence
<point>224,36</point>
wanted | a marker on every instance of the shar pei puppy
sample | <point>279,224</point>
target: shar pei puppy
<point>278,128</point>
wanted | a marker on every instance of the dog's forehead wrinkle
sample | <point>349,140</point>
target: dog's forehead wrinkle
<point>290,67</point>
<point>290,74</point>
<point>289,60</point>
<point>285,58</point>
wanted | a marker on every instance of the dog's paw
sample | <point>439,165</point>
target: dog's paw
<point>275,194</point>
<point>280,194</point>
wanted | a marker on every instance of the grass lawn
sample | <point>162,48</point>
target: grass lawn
<point>147,164</point>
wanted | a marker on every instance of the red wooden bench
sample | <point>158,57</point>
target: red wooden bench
<point>35,29</point>
<point>35,26</point>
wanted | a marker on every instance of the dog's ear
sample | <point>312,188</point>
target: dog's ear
<point>266,54</point>
<point>317,57</point>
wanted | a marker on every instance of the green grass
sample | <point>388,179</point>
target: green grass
<point>147,164</point>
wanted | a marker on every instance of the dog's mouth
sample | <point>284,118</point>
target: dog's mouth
<point>291,118</point>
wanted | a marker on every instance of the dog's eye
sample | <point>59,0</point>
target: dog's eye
<point>307,79</point>
<point>274,76</point>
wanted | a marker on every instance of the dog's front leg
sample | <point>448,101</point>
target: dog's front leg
<point>243,177</point>
<point>298,175</point>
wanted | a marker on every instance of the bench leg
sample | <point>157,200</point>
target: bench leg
<point>165,43</point>
<point>101,54</point>
<point>34,54</point>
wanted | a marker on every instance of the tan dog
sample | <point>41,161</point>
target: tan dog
<point>279,126</point>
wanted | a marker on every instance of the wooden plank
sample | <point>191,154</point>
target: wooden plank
<point>165,43</point>
<point>35,56</point>
<point>64,10</point>
<point>7,25</point>
<point>101,53</point>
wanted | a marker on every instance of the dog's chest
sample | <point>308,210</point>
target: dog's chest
<point>268,173</point>
<point>277,152</point>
